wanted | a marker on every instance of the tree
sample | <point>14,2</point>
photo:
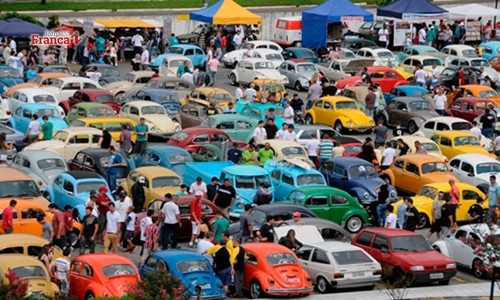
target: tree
<point>53,21</point>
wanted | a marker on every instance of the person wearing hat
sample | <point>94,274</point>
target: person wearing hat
<point>138,194</point>
<point>198,186</point>
<point>296,218</point>
<point>246,224</point>
<point>263,195</point>
<point>195,216</point>
<point>102,203</point>
<point>212,188</point>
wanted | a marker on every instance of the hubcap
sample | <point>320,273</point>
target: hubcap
<point>422,221</point>
<point>298,87</point>
<point>354,224</point>
<point>255,291</point>
<point>321,285</point>
<point>412,128</point>
<point>338,127</point>
<point>308,120</point>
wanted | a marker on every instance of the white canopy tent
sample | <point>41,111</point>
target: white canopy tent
<point>474,10</point>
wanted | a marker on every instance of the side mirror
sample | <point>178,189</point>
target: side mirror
<point>471,174</point>
<point>344,178</point>
<point>384,249</point>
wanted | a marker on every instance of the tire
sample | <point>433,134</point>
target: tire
<point>235,64</point>
<point>444,282</point>
<point>255,290</point>
<point>119,96</point>
<point>298,86</point>
<point>232,79</point>
<point>47,196</point>
<point>354,224</point>
<point>423,221</point>
<point>412,127</point>
<point>74,238</point>
<point>89,296</point>
<point>477,271</point>
<point>322,285</point>
<point>338,126</point>
<point>308,120</point>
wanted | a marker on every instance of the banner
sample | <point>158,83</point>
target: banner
<point>412,16</point>
<point>401,28</point>
<point>352,19</point>
<point>88,26</point>
<point>167,28</point>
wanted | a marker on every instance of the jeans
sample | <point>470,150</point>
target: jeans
<point>440,111</point>
<point>211,75</point>
<point>491,214</point>
<point>63,285</point>
<point>454,211</point>
<point>61,242</point>
<point>487,132</point>
<point>238,283</point>
<point>381,215</point>
<point>444,231</point>
<point>84,242</point>
<point>169,235</point>
<point>139,146</point>
<point>112,181</point>
<point>245,238</point>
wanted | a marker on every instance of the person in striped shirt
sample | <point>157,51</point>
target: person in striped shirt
<point>325,148</point>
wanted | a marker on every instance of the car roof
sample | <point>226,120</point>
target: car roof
<point>459,47</point>
<point>165,148</point>
<point>320,190</point>
<point>91,120</point>
<point>142,103</point>
<point>419,159</point>
<point>34,106</point>
<point>335,246</point>
<point>413,139</point>
<point>155,170</point>
<point>349,160</point>
<point>409,99</point>
<point>99,152</point>
<point>100,259</point>
<point>277,208</point>
<point>176,255</point>
<point>422,57</point>
<point>211,90</point>
<point>477,87</point>
<point>266,248</point>
<point>95,91</point>
<point>20,260</point>
<point>46,75</point>
<point>446,119</point>
<point>254,60</point>
<point>299,61</point>
<point>12,174</point>
<point>21,239</point>
<point>410,87</point>
<point>40,154</point>
<point>157,91</point>
<point>224,117</point>
<point>83,175</point>
<point>454,133</point>
<point>77,79</point>
<point>474,158</point>
<point>34,91</point>
<point>445,186</point>
<point>390,231</point>
<point>142,73</point>
<point>202,130</point>
<point>336,98</point>
<point>77,130</point>
<point>473,99</point>
<point>21,204</point>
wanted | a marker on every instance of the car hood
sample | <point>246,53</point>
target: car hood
<point>202,278</point>
<point>472,149</point>
<point>356,65</point>
<point>426,115</point>
<point>369,184</point>
<point>164,123</point>
<point>40,285</point>
<point>118,84</point>
<point>45,145</point>
<point>356,116</point>
<point>429,258</point>
<point>271,74</point>
<point>284,273</point>
<point>10,81</point>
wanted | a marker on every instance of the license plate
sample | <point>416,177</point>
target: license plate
<point>293,280</point>
<point>436,275</point>
<point>205,286</point>
<point>358,274</point>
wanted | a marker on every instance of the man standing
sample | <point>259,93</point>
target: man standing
<point>213,68</point>
<point>381,134</point>
<point>325,148</point>
<point>47,230</point>
<point>212,189</point>
<point>102,203</point>
<point>402,213</point>
<point>440,102</point>
<point>436,216</point>
<point>271,128</point>
<point>68,224</point>
<point>33,131</point>
<point>114,162</point>
<point>289,114</point>
<point>234,154</point>
<point>370,99</point>
<point>487,120</point>
<point>195,216</point>
<point>259,133</point>
<point>387,157</point>
<point>493,198</point>
<point>129,230</point>
<point>446,217</point>
<point>225,196</point>
<point>238,267</point>
<point>312,147</point>
<point>265,154</point>
<point>58,225</point>
<point>250,93</point>
<point>172,222</point>
<point>297,104</point>
<point>125,140</point>
<point>138,194</point>
<point>266,232</point>
<point>246,224</point>
<point>47,129</point>
<point>391,219</point>
<point>137,41</point>
<point>411,221</point>
<point>141,131</point>
<point>220,226</point>
<point>144,58</point>
<point>455,198</point>
<point>281,133</point>
<point>145,222</point>
<point>8,217</point>
<point>198,186</point>
<point>314,93</point>
<point>111,236</point>
<point>89,232</point>
<point>476,212</point>
<point>383,36</point>
<point>151,234</point>
<point>61,269</point>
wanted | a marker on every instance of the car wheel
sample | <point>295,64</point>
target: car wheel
<point>338,126</point>
<point>354,224</point>
<point>444,282</point>
<point>309,120</point>
<point>89,296</point>
<point>47,196</point>
<point>119,96</point>
<point>232,79</point>
<point>322,285</point>
<point>423,221</point>
<point>73,239</point>
<point>255,290</point>
<point>235,64</point>
<point>412,127</point>
<point>298,86</point>
<point>477,268</point>
<point>437,248</point>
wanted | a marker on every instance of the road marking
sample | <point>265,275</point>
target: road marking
<point>461,280</point>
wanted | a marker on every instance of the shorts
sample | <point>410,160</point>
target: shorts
<point>63,286</point>
<point>128,235</point>
<point>224,276</point>
<point>102,223</point>
<point>194,226</point>
<point>435,227</point>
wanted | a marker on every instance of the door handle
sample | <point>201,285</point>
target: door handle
<point>23,223</point>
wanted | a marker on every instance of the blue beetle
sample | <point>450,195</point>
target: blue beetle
<point>193,52</point>
<point>9,77</point>
<point>21,118</point>
<point>170,157</point>
<point>406,91</point>
<point>490,49</point>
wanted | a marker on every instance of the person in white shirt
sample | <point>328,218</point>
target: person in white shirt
<point>483,80</point>
<point>91,202</point>
<point>172,220</point>
<point>289,134</point>
<point>205,244</point>
<point>94,74</point>
<point>476,130</point>
<point>250,52</point>
<point>12,45</point>
<point>280,135</point>
<point>198,186</point>
<point>34,128</point>
<point>436,73</point>
<point>387,156</point>
<point>188,76</point>
<point>13,60</point>
<point>383,36</point>
<point>312,147</point>
<point>145,222</point>
<point>289,114</point>
<point>238,92</point>
<point>129,230</point>
<point>137,41</point>
<point>144,58</point>
<point>420,76</point>
<point>392,219</point>
<point>122,206</point>
<point>440,102</point>
<point>422,35</point>
<point>111,236</point>
<point>250,93</point>
<point>338,150</point>
<point>259,133</point>
<point>238,39</point>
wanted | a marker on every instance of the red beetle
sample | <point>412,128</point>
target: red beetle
<point>387,78</point>
<point>190,139</point>
<point>91,95</point>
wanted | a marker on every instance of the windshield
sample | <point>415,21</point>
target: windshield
<point>428,191</point>
<point>250,182</point>
<point>346,105</point>
<point>448,72</point>
<point>264,65</point>
<point>491,167</point>
<point>281,259</point>
<point>188,266</point>
<point>176,50</point>
<point>48,112</point>
<point>434,167</point>
<point>58,83</point>
<point>166,98</point>
<point>36,79</point>
<point>432,53</point>
<point>100,112</point>
<point>487,94</point>
<point>44,98</point>
<point>9,73</point>
<point>469,53</point>
<point>362,171</point>
<point>385,54</point>
<point>29,272</point>
<point>351,257</point>
<point>86,187</point>
<point>310,179</point>
<point>419,105</point>
<point>461,126</point>
<point>269,86</point>
<point>180,136</point>
<point>118,270</point>
<point>174,63</point>
<point>430,62</point>
<point>108,71</point>
<point>306,54</point>
<point>430,147</point>
<point>293,151</point>
<point>179,158</point>
<point>51,163</point>
<point>165,181</point>
<point>278,111</point>
<point>18,188</point>
<point>479,63</point>
<point>466,140</point>
<point>60,136</point>
<point>104,98</point>
<point>411,243</point>
<point>274,56</point>
<point>153,110</point>
<point>306,68</point>
<point>222,97</point>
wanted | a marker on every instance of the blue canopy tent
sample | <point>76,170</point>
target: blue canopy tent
<point>315,20</point>
<point>411,9</point>
<point>18,27</point>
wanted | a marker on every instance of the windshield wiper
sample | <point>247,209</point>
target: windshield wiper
<point>401,249</point>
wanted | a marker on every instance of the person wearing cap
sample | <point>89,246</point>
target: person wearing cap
<point>171,222</point>
<point>212,189</point>
<point>296,218</point>
<point>246,224</point>
<point>195,216</point>
<point>493,198</point>
<point>198,186</point>
<point>138,194</point>
<point>112,168</point>
<point>57,224</point>
<point>263,195</point>
<point>122,206</point>
<point>234,154</point>
<point>102,202</point>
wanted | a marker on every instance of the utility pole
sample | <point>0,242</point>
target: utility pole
<point>496,270</point>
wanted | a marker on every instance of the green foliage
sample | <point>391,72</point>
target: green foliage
<point>384,2</point>
<point>16,289</point>
<point>159,285</point>
<point>24,17</point>
<point>53,21</point>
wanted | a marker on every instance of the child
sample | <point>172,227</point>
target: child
<point>184,190</point>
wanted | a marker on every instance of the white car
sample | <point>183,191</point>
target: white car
<point>132,79</point>
<point>5,111</point>
<point>259,44</point>
<point>63,88</point>
<point>452,51</point>
<point>428,144</point>
<point>333,264</point>
<point>410,63</point>
<point>338,69</point>
<point>304,133</point>
<point>459,246</point>
<point>33,95</point>
<point>383,57</point>
<point>476,62</point>
<point>155,114</point>
<point>255,68</point>
<point>298,72</point>
<point>171,63</point>
<point>474,169</point>
<point>232,58</point>
<point>449,123</point>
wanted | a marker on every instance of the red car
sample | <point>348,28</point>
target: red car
<point>405,253</point>
<point>272,269</point>
<point>190,139</point>
<point>387,78</point>
<point>468,108</point>
<point>91,95</point>
<point>495,63</point>
<point>101,275</point>
<point>208,210</point>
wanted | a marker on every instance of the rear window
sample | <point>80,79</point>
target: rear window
<point>461,126</point>
<point>351,257</point>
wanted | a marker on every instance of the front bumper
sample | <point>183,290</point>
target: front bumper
<point>295,291</point>
<point>359,128</point>
<point>208,297</point>
<point>427,276</point>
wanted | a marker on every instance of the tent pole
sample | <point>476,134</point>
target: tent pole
<point>495,18</point>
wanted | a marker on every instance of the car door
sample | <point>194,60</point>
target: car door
<point>292,74</point>
<point>459,250</point>
<point>199,57</point>
<point>151,266</point>
<point>327,113</point>
<point>410,178</point>
<point>446,146</point>
<point>22,122</point>
<point>389,80</point>
<point>320,263</point>
<point>284,187</point>
<point>304,255</point>
<point>393,111</point>
<point>319,205</point>
<point>248,73</point>
<point>75,283</point>
<point>57,189</point>
<point>456,108</point>
<point>469,197</point>
<point>283,68</point>
<point>339,206</point>
<point>468,112</point>
<point>76,143</point>
<point>380,250</point>
<point>28,221</point>
<point>456,171</point>
<point>76,98</point>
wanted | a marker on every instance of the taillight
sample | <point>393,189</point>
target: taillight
<point>377,272</point>
<point>338,275</point>
<point>40,183</point>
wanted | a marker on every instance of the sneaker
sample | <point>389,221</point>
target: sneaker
<point>191,244</point>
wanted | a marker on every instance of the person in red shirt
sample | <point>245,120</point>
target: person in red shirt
<point>8,217</point>
<point>195,216</point>
<point>455,198</point>
<point>461,76</point>
<point>58,226</point>
<point>102,207</point>
<point>68,223</point>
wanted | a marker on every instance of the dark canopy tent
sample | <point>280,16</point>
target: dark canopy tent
<point>411,9</point>
<point>17,27</point>
<point>315,20</point>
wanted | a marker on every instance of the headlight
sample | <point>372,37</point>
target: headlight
<point>372,122</point>
<point>417,268</point>
<point>240,205</point>
<point>348,122</point>
<point>451,266</point>
<point>366,196</point>
<point>177,128</point>
<point>393,194</point>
